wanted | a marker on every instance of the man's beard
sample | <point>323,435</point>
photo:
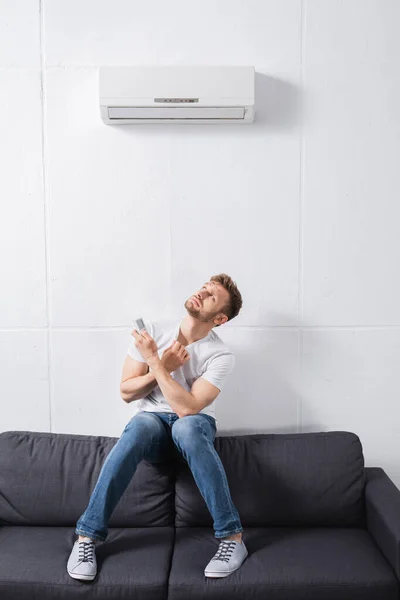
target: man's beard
<point>196,313</point>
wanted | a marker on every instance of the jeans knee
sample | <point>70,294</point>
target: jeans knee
<point>145,425</point>
<point>187,430</point>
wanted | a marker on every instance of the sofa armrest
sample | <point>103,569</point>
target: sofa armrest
<point>382,505</point>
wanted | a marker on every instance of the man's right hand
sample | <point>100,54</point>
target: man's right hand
<point>174,356</point>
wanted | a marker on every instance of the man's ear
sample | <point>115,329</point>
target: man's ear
<point>222,321</point>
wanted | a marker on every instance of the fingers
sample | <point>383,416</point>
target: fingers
<point>180,349</point>
<point>141,332</point>
<point>183,352</point>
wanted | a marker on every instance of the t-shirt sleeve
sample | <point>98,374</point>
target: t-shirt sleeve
<point>132,351</point>
<point>219,368</point>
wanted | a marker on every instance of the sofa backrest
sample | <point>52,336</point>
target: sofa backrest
<point>47,479</point>
<point>301,479</point>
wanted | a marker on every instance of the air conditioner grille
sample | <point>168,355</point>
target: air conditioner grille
<point>175,112</point>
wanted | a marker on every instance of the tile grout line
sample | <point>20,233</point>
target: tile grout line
<point>72,328</point>
<point>45,206</point>
<point>170,236</point>
<point>303,7</point>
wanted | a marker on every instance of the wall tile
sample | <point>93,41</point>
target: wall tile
<point>87,367</point>
<point>24,384</point>
<point>351,184</point>
<point>109,205</point>
<point>262,395</point>
<point>22,228</point>
<point>20,34</point>
<point>124,32</point>
<point>350,383</point>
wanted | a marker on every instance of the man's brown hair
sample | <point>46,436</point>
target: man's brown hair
<point>232,307</point>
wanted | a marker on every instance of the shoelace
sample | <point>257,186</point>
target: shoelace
<point>86,550</point>
<point>224,551</point>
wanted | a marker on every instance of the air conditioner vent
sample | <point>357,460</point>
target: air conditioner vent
<point>175,112</point>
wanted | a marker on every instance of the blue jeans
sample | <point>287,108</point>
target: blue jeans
<point>148,436</point>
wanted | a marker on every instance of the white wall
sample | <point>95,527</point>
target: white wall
<point>103,224</point>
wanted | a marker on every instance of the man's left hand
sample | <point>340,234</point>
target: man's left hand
<point>145,344</point>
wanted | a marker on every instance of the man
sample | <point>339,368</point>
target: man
<point>175,410</point>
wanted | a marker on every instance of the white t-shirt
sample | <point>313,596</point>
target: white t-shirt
<point>210,359</point>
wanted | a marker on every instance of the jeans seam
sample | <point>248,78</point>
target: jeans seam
<point>226,491</point>
<point>223,475</point>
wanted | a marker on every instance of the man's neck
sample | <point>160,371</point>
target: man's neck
<point>192,330</point>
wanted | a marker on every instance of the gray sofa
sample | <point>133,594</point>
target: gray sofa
<point>317,523</point>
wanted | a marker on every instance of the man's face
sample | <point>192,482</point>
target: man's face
<point>207,302</point>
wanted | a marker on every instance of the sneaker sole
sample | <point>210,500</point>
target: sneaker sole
<point>84,577</point>
<point>208,574</point>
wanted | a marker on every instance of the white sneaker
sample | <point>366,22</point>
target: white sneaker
<point>82,562</point>
<point>229,557</point>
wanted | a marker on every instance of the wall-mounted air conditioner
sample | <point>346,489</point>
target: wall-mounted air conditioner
<point>177,94</point>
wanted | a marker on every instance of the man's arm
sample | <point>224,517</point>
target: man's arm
<point>137,387</point>
<point>181,401</point>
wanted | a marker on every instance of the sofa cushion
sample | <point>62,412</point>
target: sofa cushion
<point>295,563</point>
<point>302,479</point>
<point>47,479</point>
<point>132,563</point>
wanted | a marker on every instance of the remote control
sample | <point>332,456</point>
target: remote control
<point>139,324</point>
